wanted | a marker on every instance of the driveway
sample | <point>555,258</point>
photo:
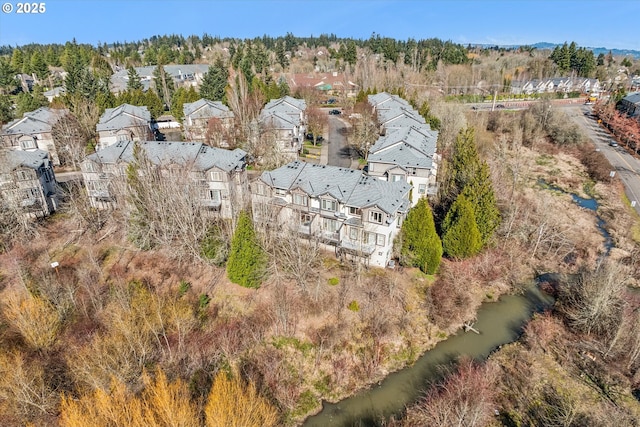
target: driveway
<point>339,153</point>
<point>626,166</point>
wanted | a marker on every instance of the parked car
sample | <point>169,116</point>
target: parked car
<point>500,106</point>
<point>613,143</point>
<point>334,112</point>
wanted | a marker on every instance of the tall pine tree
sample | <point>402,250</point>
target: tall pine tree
<point>247,261</point>
<point>421,245</point>
<point>214,82</point>
<point>460,235</point>
<point>133,80</point>
<point>480,193</point>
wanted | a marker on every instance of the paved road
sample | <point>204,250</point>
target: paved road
<point>339,153</point>
<point>626,166</point>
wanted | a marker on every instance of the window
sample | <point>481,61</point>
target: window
<point>368,238</point>
<point>123,138</point>
<point>23,175</point>
<point>395,178</point>
<point>215,176</point>
<point>329,205</point>
<point>31,193</point>
<point>353,233</point>
<point>305,219</point>
<point>330,225</point>
<point>27,144</point>
<point>261,190</point>
<point>422,188</point>
<point>380,239</point>
<point>281,192</point>
<point>209,194</point>
<point>300,200</point>
<point>354,211</point>
<point>375,216</point>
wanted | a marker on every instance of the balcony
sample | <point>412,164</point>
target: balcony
<point>330,238</point>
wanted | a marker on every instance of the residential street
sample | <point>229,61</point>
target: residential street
<point>627,167</point>
<point>339,154</point>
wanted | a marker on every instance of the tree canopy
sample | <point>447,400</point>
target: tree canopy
<point>247,261</point>
<point>421,245</point>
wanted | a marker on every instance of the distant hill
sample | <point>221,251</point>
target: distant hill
<point>596,50</point>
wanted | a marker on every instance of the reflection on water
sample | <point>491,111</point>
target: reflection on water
<point>499,323</point>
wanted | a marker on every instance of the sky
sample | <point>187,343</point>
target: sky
<point>590,23</point>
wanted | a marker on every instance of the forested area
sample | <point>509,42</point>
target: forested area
<point>160,316</point>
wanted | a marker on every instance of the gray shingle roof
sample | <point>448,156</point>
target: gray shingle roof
<point>205,109</point>
<point>120,78</point>
<point>406,147</point>
<point>282,113</point>
<point>200,157</point>
<point>123,116</point>
<point>349,186</point>
<point>386,100</point>
<point>32,159</point>
<point>38,121</point>
<point>633,98</point>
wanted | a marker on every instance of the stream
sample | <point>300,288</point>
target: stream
<point>499,323</point>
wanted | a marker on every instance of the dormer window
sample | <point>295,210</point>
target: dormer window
<point>375,216</point>
<point>215,176</point>
<point>300,200</point>
<point>329,205</point>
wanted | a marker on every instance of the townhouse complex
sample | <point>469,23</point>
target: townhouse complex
<point>218,175</point>
<point>355,213</point>
<point>27,183</point>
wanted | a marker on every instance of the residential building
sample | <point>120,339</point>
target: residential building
<point>219,174</point>
<point>33,132</point>
<point>182,75</point>
<point>354,214</point>
<point>123,123</point>
<point>406,149</point>
<point>54,93</point>
<point>333,83</point>
<point>200,114</point>
<point>409,155</point>
<point>27,182</point>
<point>556,85</point>
<point>630,104</point>
<point>284,120</point>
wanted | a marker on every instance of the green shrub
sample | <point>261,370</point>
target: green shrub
<point>333,281</point>
<point>353,306</point>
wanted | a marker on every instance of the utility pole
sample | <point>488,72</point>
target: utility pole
<point>495,95</point>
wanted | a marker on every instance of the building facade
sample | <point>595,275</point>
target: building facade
<point>33,132</point>
<point>218,175</point>
<point>123,123</point>
<point>28,183</point>
<point>345,210</point>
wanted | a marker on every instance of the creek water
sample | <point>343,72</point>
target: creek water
<point>498,322</point>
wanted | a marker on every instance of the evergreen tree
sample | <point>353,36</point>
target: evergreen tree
<point>6,112</point>
<point>8,81</point>
<point>17,60</point>
<point>181,97</point>
<point>421,245</point>
<point>163,83</point>
<point>133,83</point>
<point>214,82</point>
<point>246,263</point>
<point>38,66</point>
<point>281,55</point>
<point>465,161</point>
<point>460,235</point>
<point>480,193</point>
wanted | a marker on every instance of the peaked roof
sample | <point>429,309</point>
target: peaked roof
<point>31,159</point>
<point>205,109</point>
<point>38,121</point>
<point>349,186</point>
<point>123,116</point>
<point>198,156</point>
<point>283,113</point>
